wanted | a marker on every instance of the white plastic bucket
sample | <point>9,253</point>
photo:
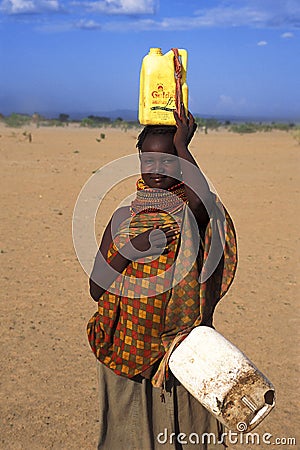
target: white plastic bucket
<point>222,379</point>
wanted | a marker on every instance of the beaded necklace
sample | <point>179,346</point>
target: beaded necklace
<point>153,200</point>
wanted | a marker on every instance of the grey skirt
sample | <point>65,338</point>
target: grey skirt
<point>133,417</point>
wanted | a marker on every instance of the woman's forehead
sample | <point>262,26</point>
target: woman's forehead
<point>160,143</point>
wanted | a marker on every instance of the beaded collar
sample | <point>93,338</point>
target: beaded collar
<point>153,200</point>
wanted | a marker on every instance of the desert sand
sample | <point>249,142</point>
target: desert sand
<point>48,372</point>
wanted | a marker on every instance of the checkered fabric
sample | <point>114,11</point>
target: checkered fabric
<point>140,315</point>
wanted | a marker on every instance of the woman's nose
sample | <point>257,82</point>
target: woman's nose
<point>159,167</point>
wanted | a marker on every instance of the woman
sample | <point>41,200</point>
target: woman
<point>154,281</point>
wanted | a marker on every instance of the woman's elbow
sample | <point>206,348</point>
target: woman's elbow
<point>95,291</point>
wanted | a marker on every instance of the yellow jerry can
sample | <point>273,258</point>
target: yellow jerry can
<point>158,87</point>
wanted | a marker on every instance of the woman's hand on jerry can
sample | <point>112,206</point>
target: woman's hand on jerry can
<point>186,127</point>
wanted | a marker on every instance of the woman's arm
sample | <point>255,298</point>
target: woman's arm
<point>102,275</point>
<point>191,174</point>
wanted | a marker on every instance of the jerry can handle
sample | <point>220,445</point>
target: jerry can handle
<point>183,54</point>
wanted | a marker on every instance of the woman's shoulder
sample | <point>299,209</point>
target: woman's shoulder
<point>120,215</point>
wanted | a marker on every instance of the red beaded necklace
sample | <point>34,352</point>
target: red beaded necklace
<point>153,200</point>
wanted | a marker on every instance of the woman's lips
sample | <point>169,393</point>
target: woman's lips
<point>158,177</point>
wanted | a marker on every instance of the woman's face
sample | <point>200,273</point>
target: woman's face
<point>160,166</point>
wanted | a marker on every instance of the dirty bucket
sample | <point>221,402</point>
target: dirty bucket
<point>222,379</point>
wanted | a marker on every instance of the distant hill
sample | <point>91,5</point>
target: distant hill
<point>132,115</point>
<point>125,114</point>
<point>244,119</point>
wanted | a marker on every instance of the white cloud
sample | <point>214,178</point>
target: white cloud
<point>228,104</point>
<point>120,6</point>
<point>287,35</point>
<point>231,16</point>
<point>262,43</point>
<point>225,100</point>
<point>84,24</point>
<point>230,13</point>
<point>282,14</point>
<point>29,6</point>
<point>253,13</point>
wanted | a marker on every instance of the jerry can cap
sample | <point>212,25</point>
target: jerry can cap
<point>155,51</point>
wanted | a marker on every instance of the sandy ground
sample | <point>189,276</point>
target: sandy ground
<point>48,373</point>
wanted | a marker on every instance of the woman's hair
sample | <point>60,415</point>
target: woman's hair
<point>154,129</point>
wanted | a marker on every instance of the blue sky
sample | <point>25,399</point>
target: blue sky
<point>85,56</point>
